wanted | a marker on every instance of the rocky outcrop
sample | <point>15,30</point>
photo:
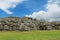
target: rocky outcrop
<point>26,24</point>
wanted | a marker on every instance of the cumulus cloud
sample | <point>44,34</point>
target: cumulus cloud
<point>52,13</point>
<point>37,15</point>
<point>6,4</point>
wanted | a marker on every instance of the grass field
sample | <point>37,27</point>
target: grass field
<point>30,35</point>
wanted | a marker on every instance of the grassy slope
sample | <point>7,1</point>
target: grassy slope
<point>32,35</point>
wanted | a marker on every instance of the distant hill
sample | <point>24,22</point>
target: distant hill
<point>26,24</point>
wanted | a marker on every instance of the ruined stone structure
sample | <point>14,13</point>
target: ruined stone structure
<point>26,24</point>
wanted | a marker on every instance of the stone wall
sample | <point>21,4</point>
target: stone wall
<point>26,24</point>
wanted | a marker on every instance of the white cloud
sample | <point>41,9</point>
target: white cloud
<point>37,15</point>
<point>52,13</point>
<point>6,4</point>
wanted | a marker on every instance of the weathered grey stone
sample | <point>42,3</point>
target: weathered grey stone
<point>27,24</point>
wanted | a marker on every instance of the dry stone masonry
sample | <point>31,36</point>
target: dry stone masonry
<point>26,24</point>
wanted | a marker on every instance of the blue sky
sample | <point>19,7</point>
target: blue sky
<point>25,8</point>
<point>39,9</point>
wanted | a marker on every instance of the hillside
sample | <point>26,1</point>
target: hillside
<point>26,23</point>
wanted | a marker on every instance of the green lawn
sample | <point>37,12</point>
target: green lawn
<point>30,35</point>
